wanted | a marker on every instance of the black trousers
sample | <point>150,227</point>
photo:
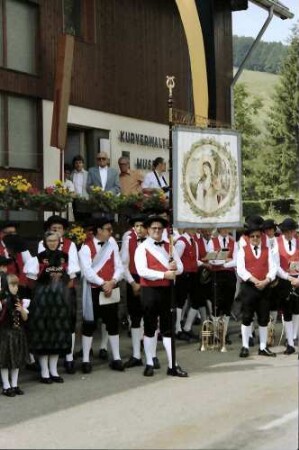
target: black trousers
<point>288,304</point>
<point>254,301</point>
<point>223,288</point>
<point>156,303</point>
<point>134,305</point>
<point>186,285</point>
<point>108,314</point>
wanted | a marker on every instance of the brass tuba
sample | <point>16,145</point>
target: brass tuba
<point>207,335</point>
<point>221,329</point>
<point>270,333</point>
<point>213,334</point>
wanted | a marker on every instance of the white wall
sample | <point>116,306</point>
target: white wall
<point>100,120</point>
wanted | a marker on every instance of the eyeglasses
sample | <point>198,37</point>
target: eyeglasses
<point>254,235</point>
<point>101,159</point>
<point>156,228</point>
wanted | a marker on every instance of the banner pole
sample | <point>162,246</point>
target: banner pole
<point>170,83</point>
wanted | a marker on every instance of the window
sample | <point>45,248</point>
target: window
<point>18,132</point>
<point>18,32</point>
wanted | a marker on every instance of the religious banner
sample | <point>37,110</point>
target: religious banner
<point>206,178</point>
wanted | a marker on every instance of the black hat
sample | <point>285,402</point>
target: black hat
<point>137,218</point>
<point>99,223</point>
<point>4,261</point>
<point>15,243</point>
<point>255,218</point>
<point>288,224</point>
<point>155,218</point>
<point>254,225</point>
<point>7,224</point>
<point>55,219</point>
<point>269,224</point>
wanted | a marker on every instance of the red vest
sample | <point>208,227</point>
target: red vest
<point>132,250</point>
<point>285,258</point>
<point>107,270</point>
<point>258,267</point>
<point>189,257</point>
<point>154,264</point>
<point>230,252</point>
<point>201,248</point>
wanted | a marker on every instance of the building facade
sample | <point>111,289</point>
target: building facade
<point>123,51</point>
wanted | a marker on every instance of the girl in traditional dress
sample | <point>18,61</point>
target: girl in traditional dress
<point>50,320</point>
<point>13,342</point>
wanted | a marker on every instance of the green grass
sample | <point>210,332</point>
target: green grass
<point>260,84</point>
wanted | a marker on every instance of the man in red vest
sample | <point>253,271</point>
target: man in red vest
<point>256,268</point>
<point>102,269</point>
<point>187,285</point>
<point>6,228</point>
<point>157,268</point>
<point>137,235</point>
<point>224,276</point>
<point>288,273</point>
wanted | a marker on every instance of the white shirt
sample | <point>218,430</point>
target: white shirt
<point>150,181</point>
<point>125,256</point>
<point>104,253</point>
<point>233,262</point>
<point>159,253</point>
<point>78,178</point>
<point>103,171</point>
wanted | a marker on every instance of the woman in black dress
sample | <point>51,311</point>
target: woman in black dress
<point>49,322</point>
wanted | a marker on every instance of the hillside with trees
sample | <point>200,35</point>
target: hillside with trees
<point>267,56</point>
<point>270,147</point>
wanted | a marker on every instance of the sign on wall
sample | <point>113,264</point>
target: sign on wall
<point>206,178</point>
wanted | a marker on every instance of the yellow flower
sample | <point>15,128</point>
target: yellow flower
<point>58,183</point>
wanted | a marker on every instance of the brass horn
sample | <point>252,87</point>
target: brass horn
<point>207,335</point>
<point>221,329</point>
<point>271,333</point>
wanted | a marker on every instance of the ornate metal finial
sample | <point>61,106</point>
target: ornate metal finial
<point>170,84</point>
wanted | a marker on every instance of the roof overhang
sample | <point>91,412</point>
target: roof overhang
<point>278,8</point>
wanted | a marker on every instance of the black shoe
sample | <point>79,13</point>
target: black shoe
<point>244,353</point>
<point>57,379</point>
<point>103,354</point>
<point>182,336</point>
<point>117,364</point>
<point>177,371</point>
<point>148,371</point>
<point>18,391</point>
<point>8,392</point>
<point>86,367</point>
<point>289,350</point>
<point>70,367</point>
<point>191,335</point>
<point>156,363</point>
<point>46,380</point>
<point>34,367</point>
<point>266,352</point>
<point>133,362</point>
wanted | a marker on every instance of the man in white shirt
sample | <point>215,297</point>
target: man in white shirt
<point>155,180</point>
<point>79,178</point>
<point>102,269</point>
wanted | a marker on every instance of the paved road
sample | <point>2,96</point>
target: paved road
<point>226,403</point>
